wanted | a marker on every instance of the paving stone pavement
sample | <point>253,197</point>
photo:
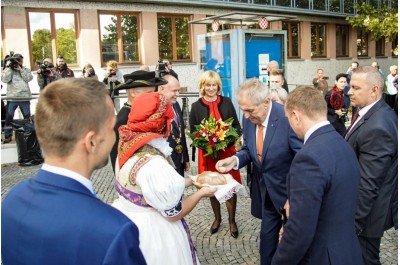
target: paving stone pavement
<point>219,248</point>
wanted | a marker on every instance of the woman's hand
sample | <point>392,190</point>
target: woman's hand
<point>340,113</point>
<point>207,191</point>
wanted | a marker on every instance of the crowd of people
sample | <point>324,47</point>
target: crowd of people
<point>325,189</point>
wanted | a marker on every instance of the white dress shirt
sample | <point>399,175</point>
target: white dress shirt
<point>69,174</point>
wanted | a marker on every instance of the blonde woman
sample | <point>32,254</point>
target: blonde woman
<point>212,104</point>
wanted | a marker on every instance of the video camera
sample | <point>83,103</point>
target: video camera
<point>14,61</point>
<point>44,67</point>
<point>161,68</point>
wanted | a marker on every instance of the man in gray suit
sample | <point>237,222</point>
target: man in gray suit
<point>373,136</point>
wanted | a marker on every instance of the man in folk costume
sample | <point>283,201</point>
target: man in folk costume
<point>151,191</point>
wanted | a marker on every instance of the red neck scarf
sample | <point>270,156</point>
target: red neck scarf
<point>150,118</point>
<point>337,98</point>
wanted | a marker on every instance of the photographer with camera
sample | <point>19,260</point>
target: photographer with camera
<point>113,77</point>
<point>89,72</point>
<point>46,73</point>
<point>17,77</point>
<point>62,68</point>
<point>320,82</point>
<point>338,102</point>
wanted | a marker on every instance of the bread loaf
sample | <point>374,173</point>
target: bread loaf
<point>211,178</point>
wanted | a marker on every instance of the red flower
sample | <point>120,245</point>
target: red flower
<point>211,143</point>
<point>197,135</point>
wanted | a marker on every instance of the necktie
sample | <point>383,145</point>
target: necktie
<point>353,120</point>
<point>260,141</point>
<point>176,118</point>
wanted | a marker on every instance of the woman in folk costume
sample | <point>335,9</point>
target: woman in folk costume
<point>151,191</point>
<point>338,101</point>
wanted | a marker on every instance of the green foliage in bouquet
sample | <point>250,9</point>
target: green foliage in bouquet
<point>213,135</point>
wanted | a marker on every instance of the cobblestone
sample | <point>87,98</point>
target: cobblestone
<point>219,248</point>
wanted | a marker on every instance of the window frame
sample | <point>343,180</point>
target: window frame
<point>363,33</point>
<point>290,41</point>
<point>119,32</point>
<point>380,47</point>
<point>317,40</point>
<point>53,32</point>
<point>341,41</point>
<point>173,27</point>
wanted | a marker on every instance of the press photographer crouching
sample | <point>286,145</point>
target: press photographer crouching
<point>17,77</point>
<point>46,73</point>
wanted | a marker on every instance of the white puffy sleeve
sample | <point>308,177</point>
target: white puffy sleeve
<point>162,186</point>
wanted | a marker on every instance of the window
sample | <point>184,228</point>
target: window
<point>319,5</point>
<point>380,47</point>
<point>334,5</point>
<point>119,34</point>
<point>362,43</point>
<point>174,37</point>
<point>293,39</point>
<point>302,4</point>
<point>53,33</point>
<point>342,41</point>
<point>318,40</point>
<point>282,2</point>
<point>349,6</point>
<point>395,47</point>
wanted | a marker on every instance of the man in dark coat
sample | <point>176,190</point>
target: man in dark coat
<point>323,183</point>
<point>373,136</point>
<point>177,137</point>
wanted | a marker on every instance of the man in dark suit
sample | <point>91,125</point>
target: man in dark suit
<point>177,137</point>
<point>373,136</point>
<point>323,183</point>
<point>136,83</point>
<point>55,217</point>
<point>271,161</point>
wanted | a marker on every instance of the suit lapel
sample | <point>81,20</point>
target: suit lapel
<point>270,131</point>
<point>367,115</point>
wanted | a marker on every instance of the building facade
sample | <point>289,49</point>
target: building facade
<point>136,33</point>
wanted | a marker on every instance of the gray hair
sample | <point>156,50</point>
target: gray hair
<point>253,89</point>
<point>371,75</point>
<point>281,92</point>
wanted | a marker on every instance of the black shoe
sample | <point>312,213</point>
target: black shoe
<point>214,229</point>
<point>7,140</point>
<point>234,234</point>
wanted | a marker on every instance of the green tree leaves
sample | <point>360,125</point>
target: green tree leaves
<point>380,22</point>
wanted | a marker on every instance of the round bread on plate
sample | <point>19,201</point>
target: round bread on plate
<point>209,178</point>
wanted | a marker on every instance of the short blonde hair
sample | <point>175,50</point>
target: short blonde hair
<point>393,67</point>
<point>67,109</point>
<point>207,77</point>
<point>113,64</point>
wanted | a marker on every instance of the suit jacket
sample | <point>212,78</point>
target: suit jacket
<point>323,184</point>
<point>280,146</point>
<point>374,140</point>
<point>122,119</point>
<point>52,219</point>
<point>178,132</point>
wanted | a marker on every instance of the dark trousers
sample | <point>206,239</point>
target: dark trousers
<point>370,250</point>
<point>25,107</point>
<point>269,235</point>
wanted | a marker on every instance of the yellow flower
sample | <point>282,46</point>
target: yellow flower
<point>221,135</point>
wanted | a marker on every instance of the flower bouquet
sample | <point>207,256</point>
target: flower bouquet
<point>213,135</point>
